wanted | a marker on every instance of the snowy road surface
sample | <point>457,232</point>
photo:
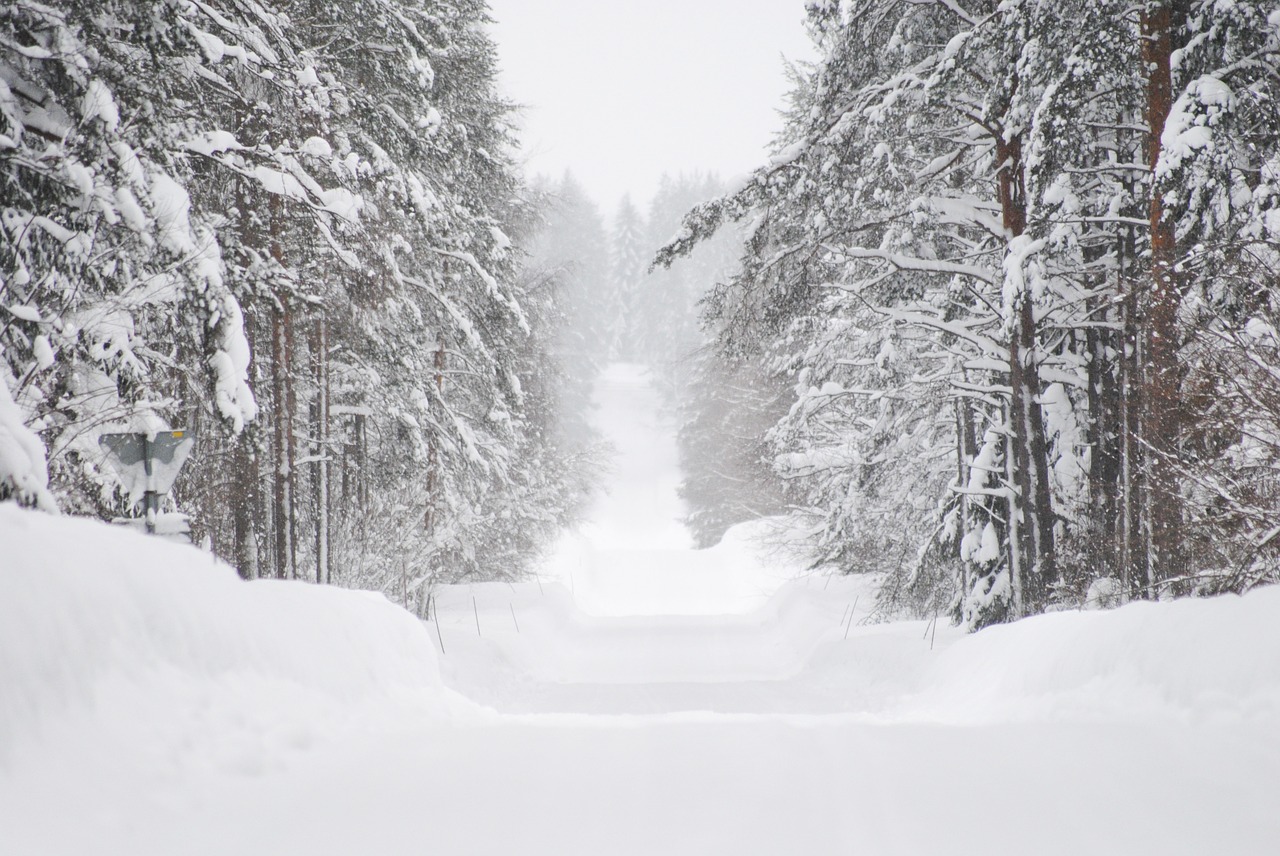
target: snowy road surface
<point>640,698</point>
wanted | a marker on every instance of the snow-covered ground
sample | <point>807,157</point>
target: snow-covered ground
<point>639,698</point>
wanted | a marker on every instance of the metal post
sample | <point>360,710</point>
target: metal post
<point>151,500</point>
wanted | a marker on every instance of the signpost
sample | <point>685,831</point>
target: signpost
<point>148,465</point>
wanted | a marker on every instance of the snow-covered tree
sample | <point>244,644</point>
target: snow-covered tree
<point>975,247</point>
<point>287,229</point>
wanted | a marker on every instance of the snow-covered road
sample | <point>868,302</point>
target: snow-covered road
<point>706,702</point>
<point>639,698</point>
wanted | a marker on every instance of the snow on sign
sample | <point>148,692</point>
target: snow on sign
<point>147,464</point>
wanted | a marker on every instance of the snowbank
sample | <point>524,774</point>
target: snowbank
<point>1212,659</point>
<point>130,634</point>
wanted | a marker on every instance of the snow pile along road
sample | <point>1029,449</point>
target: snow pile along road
<point>1213,660</point>
<point>156,644</point>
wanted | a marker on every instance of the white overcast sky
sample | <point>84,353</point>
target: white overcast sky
<point>620,91</point>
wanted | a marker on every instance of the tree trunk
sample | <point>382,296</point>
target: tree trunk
<point>320,445</point>
<point>245,474</point>
<point>1134,567</point>
<point>283,446</point>
<point>1162,423</point>
<point>244,506</point>
<point>1033,505</point>
<point>966,452</point>
<point>433,457</point>
<point>1105,425</point>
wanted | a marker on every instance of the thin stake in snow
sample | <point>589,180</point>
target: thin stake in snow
<point>513,617</point>
<point>933,624</point>
<point>852,609</point>
<point>439,636</point>
<point>475,609</point>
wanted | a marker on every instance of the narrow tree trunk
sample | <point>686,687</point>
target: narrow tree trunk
<point>285,493</point>
<point>1103,348</point>
<point>244,505</point>
<point>433,457</point>
<point>966,451</point>
<point>1133,553</point>
<point>1017,541</point>
<point>283,445</point>
<point>1033,505</point>
<point>320,445</point>
<point>246,474</point>
<point>1162,418</point>
<point>362,462</point>
<point>291,443</point>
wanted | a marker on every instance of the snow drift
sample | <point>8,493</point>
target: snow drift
<point>108,624</point>
<point>1210,659</point>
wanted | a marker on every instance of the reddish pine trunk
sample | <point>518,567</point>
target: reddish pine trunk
<point>1162,418</point>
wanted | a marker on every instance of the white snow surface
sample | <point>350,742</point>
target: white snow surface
<point>152,703</point>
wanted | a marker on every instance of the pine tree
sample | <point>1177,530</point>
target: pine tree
<point>981,249</point>
<point>286,229</point>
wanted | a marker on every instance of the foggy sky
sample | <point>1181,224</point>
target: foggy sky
<point>620,91</point>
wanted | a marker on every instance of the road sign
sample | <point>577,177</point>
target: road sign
<point>147,464</point>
